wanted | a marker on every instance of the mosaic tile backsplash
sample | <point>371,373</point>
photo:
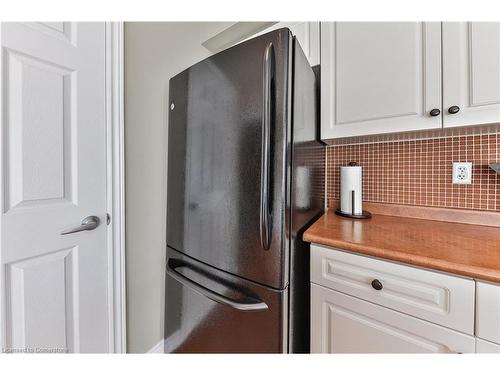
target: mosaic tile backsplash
<point>419,172</point>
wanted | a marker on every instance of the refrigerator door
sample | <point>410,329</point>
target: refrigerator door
<point>210,311</point>
<point>228,158</point>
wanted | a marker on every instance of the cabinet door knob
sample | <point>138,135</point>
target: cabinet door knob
<point>453,109</point>
<point>377,285</point>
<point>435,112</point>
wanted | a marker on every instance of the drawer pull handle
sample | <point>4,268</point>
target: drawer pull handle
<point>435,112</point>
<point>377,285</point>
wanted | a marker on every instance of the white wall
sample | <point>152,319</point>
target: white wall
<point>154,52</point>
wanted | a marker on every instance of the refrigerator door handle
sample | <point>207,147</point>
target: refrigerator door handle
<point>265,216</point>
<point>248,304</point>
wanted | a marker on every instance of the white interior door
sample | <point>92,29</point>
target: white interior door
<point>54,287</point>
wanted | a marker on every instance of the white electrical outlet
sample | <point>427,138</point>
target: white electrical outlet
<point>462,173</point>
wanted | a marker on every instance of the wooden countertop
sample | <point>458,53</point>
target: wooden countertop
<point>463,249</point>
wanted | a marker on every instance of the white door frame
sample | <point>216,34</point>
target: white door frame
<point>116,184</point>
<point>115,189</point>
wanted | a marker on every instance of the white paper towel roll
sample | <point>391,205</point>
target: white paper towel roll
<point>351,180</point>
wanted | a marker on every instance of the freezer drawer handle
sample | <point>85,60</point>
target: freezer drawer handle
<point>246,304</point>
<point>265,216</point>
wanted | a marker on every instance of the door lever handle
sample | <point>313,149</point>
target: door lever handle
<point>89,223</point>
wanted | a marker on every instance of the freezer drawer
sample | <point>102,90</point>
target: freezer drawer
<point>211,311</point>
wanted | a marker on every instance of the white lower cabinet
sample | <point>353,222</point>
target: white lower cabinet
<point>488,311</point>
<point>428,295</point>
<point>344,324</point>
<point>483,346</point>
<point>361,304</point>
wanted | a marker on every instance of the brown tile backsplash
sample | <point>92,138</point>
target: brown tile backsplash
<point>419,172</point>
<point>311,157</point>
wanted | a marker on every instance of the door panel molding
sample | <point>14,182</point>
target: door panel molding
<point>60,30</point>
<point>56,271</point>
<point>49,142</point>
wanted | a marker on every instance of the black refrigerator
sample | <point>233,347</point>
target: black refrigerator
<point>245,178</point>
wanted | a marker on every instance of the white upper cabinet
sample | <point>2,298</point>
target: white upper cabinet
<point>471,73</point>
<point>379,77</point>
<point>385,77</point>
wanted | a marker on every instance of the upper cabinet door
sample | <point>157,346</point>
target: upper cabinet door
<point>471,73</point>
<point>379,77</point>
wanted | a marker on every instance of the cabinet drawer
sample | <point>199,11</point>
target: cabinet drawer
<point>344,324</point>
<point>436,297</point>
<point>488,311</point>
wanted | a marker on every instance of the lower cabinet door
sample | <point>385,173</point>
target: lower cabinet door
<point>344,324</point>
<point>488,311</point>
<point>483,346</point>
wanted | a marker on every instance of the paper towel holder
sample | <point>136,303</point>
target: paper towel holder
<point>363,215</point>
